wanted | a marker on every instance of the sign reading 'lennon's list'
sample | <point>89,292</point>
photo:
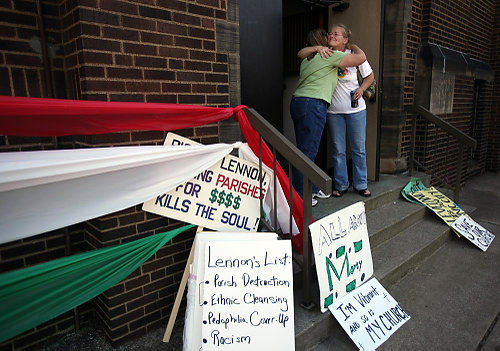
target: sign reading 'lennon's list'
<point>248,296</point>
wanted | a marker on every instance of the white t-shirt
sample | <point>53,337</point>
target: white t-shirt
<point>348,80</point>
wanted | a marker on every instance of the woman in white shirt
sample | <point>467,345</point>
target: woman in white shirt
<point>346,114</point>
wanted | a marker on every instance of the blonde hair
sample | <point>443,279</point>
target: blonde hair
<point>346,31</point>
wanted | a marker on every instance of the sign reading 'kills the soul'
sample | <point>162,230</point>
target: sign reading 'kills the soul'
<point>342,253</point>
<point>224,197</point>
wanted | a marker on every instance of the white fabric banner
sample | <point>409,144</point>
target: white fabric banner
<point>46,190</point>
<point>282,207</point>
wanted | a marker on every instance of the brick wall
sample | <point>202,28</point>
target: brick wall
<point>493,161</point>
<point>464,26</point>
<point>174,51</point>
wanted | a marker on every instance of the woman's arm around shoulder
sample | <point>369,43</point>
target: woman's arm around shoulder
<point>356,58</point>
<point>323,51</point>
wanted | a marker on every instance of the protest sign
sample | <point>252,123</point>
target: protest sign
<point>473,231</point>
<point>248,296</point>
<point>224,197</point>
<point>369,315</point>
<point>193,316</point>
<point>342,252</point>
<point>415,184</point>
<point>446,209</point>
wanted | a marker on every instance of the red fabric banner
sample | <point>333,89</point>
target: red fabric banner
<point>24,116</point>
<point>252,138</point>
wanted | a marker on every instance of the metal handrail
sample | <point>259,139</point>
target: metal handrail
<point>311,173</point>
<point>462,138</point>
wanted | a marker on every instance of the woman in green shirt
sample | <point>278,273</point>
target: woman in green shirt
<point>317,82</point>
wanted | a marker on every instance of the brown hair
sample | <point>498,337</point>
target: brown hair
<point>316,37</point>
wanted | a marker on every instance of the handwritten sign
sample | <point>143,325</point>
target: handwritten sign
<point>248,296</point>
<point>369,315</point>
<point>415,184</point>
<point>473,231</point>
<point>342,253</point>
<point>194,312</point>
<point>224,197</point>
<point>446,209</point>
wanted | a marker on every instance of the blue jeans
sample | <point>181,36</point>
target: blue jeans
<point>309,118</point>
<point>355,123</point>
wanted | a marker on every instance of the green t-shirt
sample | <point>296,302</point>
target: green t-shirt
<point>318,77</point>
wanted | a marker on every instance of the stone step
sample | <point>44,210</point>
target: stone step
<point>389,220</point>
<point>392,259</point>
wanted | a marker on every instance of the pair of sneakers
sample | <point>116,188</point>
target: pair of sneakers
<point>319,195</point>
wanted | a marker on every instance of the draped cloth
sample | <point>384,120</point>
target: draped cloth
<point>31,296</point>
<point>53,117</point>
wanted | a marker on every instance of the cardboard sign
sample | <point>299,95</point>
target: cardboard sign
<point>473,231</point>
<point>415,184</point>
<point>194,312</point>
<point>369,315</point>
<point>224,197</point>
<point>446,209</point>
<point>248,296</point>
<point>342,253</point>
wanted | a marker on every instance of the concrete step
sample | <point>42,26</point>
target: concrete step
<point>389,220</point>
<point>392,260</point>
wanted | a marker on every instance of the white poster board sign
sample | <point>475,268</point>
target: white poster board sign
<point>248,296</point>
<point>224,197</point>
<point>473,231</point>
<point>342,252</point>
<point>194,308</point>
<point>369,315</point>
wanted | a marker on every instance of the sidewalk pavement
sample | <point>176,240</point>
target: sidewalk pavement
<point>453,297</point>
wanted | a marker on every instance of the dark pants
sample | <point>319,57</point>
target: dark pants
<point>309,118</point>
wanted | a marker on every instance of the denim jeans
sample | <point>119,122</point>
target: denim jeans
<point>355,123</point>
<point>309,118</point>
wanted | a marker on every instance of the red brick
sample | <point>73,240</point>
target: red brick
<point>120,34</point>
<point>145,61</point>
<point>197,66</point>
<point>175,88</point>
<point>201,55</point>
<point>127,97</point>
<point>102,85</point>
<point>138,23</point>
<point>188,42</point>
<point>217,99</point>
<point>173,4</point>
<point>213,77</point>
<point>98,44</point>
<point>172,28</point>
<point>162,98</point>
<point>219,67</point>
<point>159,75</point>
<point>186,19</point>
<point>192,99</point>
<point>208,45</point>
<point>22,60</point>
<point>124,60</point>
<point>204,88</point>
<point>140,49</point>
<point>201,33</point>
<point>143,87</point>
<point>173,52</point>
<point>147,136</point>
<point>201,10</point>
<point>119,6</point>
<point>175,64</point>
<point>190,76</point>
<point>124,73</point>
<point>155,38</point>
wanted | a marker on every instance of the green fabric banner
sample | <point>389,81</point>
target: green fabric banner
<point>31,296</point>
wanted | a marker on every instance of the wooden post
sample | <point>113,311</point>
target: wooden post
<point>180,292</point>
